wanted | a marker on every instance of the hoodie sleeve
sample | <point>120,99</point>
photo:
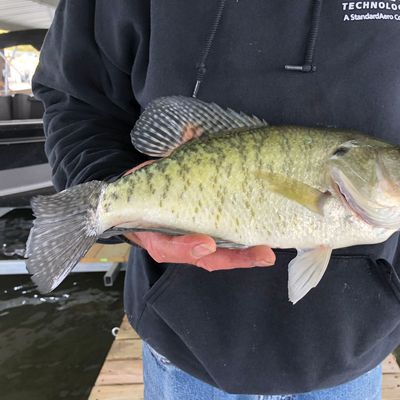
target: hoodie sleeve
<point>89,104</point>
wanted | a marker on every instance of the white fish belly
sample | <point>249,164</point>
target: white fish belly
<point>269,219</point>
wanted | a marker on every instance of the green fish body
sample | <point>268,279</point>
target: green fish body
<point>249,184</point>
<point>225,186</point>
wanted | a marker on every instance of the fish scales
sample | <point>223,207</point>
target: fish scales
<point>233,202</point>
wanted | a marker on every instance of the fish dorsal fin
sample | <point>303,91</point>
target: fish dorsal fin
<point>294,190</point>
<point>306,270</point>
<point>168,122</point>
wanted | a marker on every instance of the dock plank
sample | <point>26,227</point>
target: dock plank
<point>117,392</point>
<point>119,372</point>
<point>390,366</point>
<point>107,253</point>
<point>390,387</point>
<point>126,331</point>
<point>128,349</point>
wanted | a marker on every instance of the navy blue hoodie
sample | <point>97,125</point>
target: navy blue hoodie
<point>103,62</point>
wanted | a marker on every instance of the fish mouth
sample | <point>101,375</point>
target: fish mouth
<point>346,201</point>
<point>371,213</point>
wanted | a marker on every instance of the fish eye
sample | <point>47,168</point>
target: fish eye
<point>341,151</point>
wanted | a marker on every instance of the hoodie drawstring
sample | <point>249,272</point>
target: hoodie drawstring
<point>201,65</point>
<point>309,65</point>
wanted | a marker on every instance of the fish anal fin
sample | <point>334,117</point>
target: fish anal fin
<point>294,190</point>
<point>306,270</point>
<point>168,231</point>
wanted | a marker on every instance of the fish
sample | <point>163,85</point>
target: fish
<point>236,178</point>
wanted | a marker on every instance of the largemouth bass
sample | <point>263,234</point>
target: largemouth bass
<point>235,178</point>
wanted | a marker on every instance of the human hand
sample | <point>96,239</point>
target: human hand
<point>199,249</point>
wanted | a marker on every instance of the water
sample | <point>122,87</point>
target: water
<point>53,346</point>
<point>14,232</point>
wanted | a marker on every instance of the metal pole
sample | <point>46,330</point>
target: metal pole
<point>2,72</point>
<point>111,275</point>
<point>7,71</point>
<point>6,74</point>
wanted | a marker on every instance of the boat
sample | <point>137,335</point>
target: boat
<point>24,170</point>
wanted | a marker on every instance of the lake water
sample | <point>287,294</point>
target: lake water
<point>52,347</point>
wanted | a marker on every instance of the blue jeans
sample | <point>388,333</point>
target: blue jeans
<point>164,381</point>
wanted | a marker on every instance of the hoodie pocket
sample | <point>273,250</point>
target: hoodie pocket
<point>237,330</point>
<point>389,275</point>
<point>144,279</point>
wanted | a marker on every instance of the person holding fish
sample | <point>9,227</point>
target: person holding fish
<point>210,133</point>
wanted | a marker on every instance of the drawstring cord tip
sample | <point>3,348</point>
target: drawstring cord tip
<point>196,89</point>
<point>301,68</point>
<point>201,71</point>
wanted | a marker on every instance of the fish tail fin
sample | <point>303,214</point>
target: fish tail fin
<point>65,228</point>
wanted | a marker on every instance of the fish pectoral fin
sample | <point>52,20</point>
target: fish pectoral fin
<point>225,244</point>
<point>306,270</point>
<point>121,230</point>
<point>169,122</point>
<point>294,190</point>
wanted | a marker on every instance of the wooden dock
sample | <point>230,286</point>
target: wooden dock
<point>116,253</point>
<point>121,375</point>
<point>391,379</point>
